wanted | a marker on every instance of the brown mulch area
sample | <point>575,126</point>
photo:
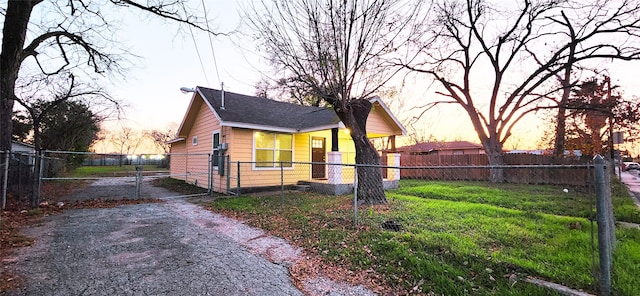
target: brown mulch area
<point>18,214</point>
<point>311,264</point>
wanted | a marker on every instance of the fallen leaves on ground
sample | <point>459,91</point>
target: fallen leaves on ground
<point>311,264</point>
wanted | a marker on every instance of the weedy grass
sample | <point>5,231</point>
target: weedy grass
<point>178,186</point>
<point>456,238</point>
<point>625,209</point>
<point>108,171</point>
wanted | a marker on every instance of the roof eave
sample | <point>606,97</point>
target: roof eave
<point>176,140</point>
<point>389,113</point>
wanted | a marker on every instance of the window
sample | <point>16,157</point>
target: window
<point>272,148</point>
<point>317,143</point>
<point>216,148</point>
<point>194,140</point>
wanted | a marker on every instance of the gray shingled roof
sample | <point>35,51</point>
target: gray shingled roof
<point>262,111</point>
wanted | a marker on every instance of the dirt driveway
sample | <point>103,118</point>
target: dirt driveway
<point>171,248</point>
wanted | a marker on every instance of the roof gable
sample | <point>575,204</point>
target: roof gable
<point>238,110</point>
<point>253,110</point>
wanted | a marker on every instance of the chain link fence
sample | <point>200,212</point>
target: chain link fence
<point>580,188</point>
<point>16,175</point>
<point>571,189</point>
<point>116,176</point>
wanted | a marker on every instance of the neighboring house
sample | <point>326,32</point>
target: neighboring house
<point>263,133</point>
<point>20,147</point>
<point>24,152</point>
<point>443,148</point>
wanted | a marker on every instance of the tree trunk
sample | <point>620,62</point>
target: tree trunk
<point>561,130</point>
<point>16,20</point>
<point>493,149</point>
<point>37,143</point>
<point>354,116</point>
<point>561,119</point>
<point>491,143</point>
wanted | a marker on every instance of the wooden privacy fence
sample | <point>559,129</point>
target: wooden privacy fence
<point>520,168</point>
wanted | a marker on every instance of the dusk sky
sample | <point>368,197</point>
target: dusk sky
<point>169,60</point>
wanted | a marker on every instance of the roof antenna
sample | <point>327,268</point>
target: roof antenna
<point>222,95</point>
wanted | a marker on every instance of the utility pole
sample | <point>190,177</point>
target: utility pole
<point>607,79</point>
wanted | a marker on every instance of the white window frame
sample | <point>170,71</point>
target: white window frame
<point>213,147</point>
<point>194,141</point>
<point>275,166</point>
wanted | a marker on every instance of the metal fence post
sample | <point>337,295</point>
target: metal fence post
<point>238,181</point>
<point>210,174</point>
<point>355,195</point>
<point>42,163</point>
<point>604,237</point>
<point>5,179</point>
<point>281,185</point>
<point>138,180</point>
<point>228,161</point>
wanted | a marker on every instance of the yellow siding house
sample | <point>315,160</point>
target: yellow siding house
<point>264,134</point>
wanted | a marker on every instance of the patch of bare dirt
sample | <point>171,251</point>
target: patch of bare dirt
<point>18,214</point>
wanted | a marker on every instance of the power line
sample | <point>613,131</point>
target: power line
<point>213,53</point>
<point>199,57</point>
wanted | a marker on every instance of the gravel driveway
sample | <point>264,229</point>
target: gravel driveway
<point>171,248</point>
<point>147,249</point>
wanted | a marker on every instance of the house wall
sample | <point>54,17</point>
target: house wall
<point>241,150</point>
<point>191,162</point>
<point>377,124</point>
<point>177,160</point>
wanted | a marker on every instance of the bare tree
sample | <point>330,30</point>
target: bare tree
<point>498,62</point>
<point>333,50</point>
<point>289,90</point>
<point>161,137</point>
<point>73,36</point>
<point>126,140</point>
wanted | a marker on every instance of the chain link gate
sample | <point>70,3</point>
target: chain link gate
<point>95,176</point>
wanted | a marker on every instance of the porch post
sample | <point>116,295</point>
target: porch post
<point>335,167</point>
<point>393,160</point>
<point>334,139</point>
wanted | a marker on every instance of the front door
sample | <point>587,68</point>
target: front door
<point>318,153</point>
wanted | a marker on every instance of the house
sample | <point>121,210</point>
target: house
<point>23,152</point>
<point>23,148</point>
<point>443,148</point>
<point>264,134</point>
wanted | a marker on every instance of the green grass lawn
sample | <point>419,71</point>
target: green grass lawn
<point>457,238</point>
<point>110,171</point>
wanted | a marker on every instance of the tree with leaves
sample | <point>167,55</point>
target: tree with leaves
<point>57,117</point>
<point>595,109</point>
<point>21,127</point>
<point>69,126</point>
<point>58,112</point>
<point>333,51</point>
<point>498,61</point>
